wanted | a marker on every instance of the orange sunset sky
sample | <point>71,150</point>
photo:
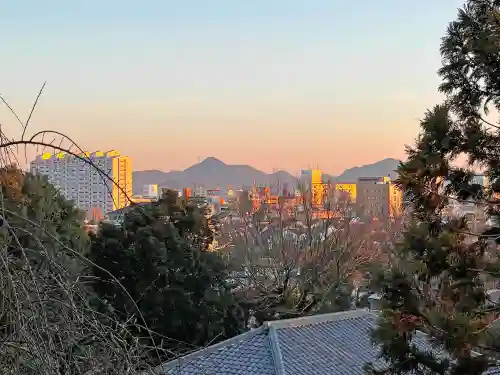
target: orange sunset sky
<point>274,84</point>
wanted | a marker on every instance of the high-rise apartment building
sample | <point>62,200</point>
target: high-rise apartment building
<point>85,185</point>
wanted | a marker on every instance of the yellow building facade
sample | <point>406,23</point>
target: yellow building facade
<point>122,178</point>
<point>316,176</point>
<point>317,188</point>
<point>349,189</point>
<point>395,201</point>
<point>135,199</point>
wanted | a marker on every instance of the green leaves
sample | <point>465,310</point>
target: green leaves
<point>438,283</point>
<point>471,58</point>
<point>159,255</point>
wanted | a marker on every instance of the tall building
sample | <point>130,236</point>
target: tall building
<point>312,179</point>
<point>85,185</point>
<point>311,176</point>
<point>378,197</point>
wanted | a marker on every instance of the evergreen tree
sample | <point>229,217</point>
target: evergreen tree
<point>159,256</point>
<point>46,323</point>
<point>36,213</point>
<point>437,286</point>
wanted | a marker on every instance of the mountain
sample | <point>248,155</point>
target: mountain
<point>210,173</point>
<point>213,173</point>
<point>386,167</point>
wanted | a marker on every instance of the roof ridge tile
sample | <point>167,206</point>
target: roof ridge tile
<point>321,318</point>
<point>279,365</point>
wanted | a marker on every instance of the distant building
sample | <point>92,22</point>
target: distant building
<point>311,176</point>
<point>349,188</point>
<point>199,200</point>
<point>378,197</point>
<point>89,187</point>
<point>95,214</point>
<point>150,191</point>
<point>312,179</point>
<point>141,199</point>
<point>213,192</point>
<point>186,193</point>
<point>199,191</point>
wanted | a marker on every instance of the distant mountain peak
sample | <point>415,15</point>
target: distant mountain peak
<point>212,161</point>
<point>386,160</point>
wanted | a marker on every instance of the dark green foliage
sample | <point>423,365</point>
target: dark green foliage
<point>38,214</point>
<point>46,325</point>
<point>437,285</point>
<point>159,256</point>
<point>187,218</point>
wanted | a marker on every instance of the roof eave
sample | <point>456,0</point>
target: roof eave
<point>178,362</point>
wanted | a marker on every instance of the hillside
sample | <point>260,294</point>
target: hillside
<point>384,167</point>
<point>213,173</point>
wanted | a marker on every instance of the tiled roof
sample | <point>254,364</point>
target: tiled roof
<point>246,354</point>
<point>337,348</point>
<point>328,344</point>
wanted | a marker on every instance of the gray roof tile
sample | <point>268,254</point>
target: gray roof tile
<point>329,344</point>
<point>249,356</point>
<point>339,347</point>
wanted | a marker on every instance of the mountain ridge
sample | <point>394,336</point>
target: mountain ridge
<point>214,173</point>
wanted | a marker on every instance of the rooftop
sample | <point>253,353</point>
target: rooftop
<point>84,155</point>
<point>328,344</point>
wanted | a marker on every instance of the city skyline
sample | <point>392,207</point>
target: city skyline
<point>54,154</point>
<point>274,86</point>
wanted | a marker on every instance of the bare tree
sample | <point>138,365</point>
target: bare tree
<point>301,260</point>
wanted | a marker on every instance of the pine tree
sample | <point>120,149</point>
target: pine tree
<point>159,256</point>
<point>438,284</point>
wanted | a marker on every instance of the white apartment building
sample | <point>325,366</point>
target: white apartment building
<point>80,182</point>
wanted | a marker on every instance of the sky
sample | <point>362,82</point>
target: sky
<point>277,84</point>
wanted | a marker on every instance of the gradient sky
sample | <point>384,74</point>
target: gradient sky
<point>278,84</point>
